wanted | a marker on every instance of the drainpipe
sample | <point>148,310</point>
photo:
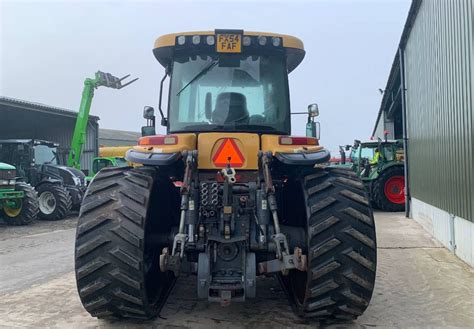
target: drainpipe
<point>404,128</point>
<point>452,234</point>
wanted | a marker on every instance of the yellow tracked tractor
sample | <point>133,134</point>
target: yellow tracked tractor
<point>228,194</point>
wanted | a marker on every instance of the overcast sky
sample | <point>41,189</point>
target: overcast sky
<point>49,48</point>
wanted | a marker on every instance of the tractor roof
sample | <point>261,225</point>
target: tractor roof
<point>6,166</point>
<point>375,142</point>
<point>28,141</point>
<point>294,48</point>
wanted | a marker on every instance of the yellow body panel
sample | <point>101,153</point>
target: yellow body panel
<point>209,143</point>
<point>186,142</point>
<point>168,40</point>
<point>271,143</point>
<point>116,152</point>
<point>113,151</point>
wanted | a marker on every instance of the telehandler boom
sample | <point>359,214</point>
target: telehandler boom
<point>79,135</point>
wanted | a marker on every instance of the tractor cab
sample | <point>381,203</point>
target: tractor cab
<point>372,156</point>
<point>28,154</point>
<point>104,162</point>
<point>229,80</point>
<point>228,87</point>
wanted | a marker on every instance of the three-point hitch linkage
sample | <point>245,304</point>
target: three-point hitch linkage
<point>225,254</point>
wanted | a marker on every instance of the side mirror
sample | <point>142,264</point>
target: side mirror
<point>148,112</point>
<point>148,131</point>
<point>313,129</point>
<point>313,110</point>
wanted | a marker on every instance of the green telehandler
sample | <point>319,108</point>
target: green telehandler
<point>79,135</point>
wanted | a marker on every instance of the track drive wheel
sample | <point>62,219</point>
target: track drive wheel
<point>27,211</point>
<point>389,189</point>
<point>116,255</point>
<point>55,202</point>
<point>341,248</point>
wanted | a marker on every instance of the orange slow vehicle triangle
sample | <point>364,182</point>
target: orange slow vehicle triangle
<point>228,153</point>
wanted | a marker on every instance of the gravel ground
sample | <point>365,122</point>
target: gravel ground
<point>419,284</point>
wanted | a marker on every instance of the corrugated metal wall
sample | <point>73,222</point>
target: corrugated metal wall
<point>19,123</point>
<point>439,69</point>
<point>62,134</point>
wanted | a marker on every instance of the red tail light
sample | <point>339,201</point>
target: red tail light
<point>288,140</point>
<point>158,140</point>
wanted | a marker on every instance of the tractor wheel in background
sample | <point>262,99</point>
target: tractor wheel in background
<point>341,248</point>
<point>54,200</point>
<point>389,189</point>
<point>117,253</point>
<point>27,211</point>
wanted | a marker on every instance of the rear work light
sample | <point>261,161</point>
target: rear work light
<point>196,39</point>
<point>210,40</point>
<point>158,140</point>
<point>181,40</point>
<point>288,140</point>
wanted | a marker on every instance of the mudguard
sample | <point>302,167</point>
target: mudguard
<point>152,158</point>
<point>304,158</point>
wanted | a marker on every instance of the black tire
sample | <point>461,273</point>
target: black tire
<point>29,206</point>
<point>378,192</point>
<point>60,201</point>
<point>116,261</point>
<point>341,248</point>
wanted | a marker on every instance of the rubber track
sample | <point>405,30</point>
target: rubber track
<point>342,246</point>
<point>29,211</point>
<point>63,201</point>
<point>110,243</point>
<point>378,194</point>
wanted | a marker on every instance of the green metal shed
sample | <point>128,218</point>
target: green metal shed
<point>434,66</point>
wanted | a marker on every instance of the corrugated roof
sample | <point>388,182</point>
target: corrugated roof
<point>395,69</point>
<point>33,106</point>
<point>119,135</point>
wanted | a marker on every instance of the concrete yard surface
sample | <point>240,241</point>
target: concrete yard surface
<point>419,284</point>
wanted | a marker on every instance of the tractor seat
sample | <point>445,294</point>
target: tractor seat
<point>230,107</point>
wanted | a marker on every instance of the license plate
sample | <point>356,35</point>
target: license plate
<point>229,43</point>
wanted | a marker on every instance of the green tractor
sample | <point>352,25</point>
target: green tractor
<point>38,162</point>
<point>18,200</point>
<point>105,162</point>
<point>380,165</point>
